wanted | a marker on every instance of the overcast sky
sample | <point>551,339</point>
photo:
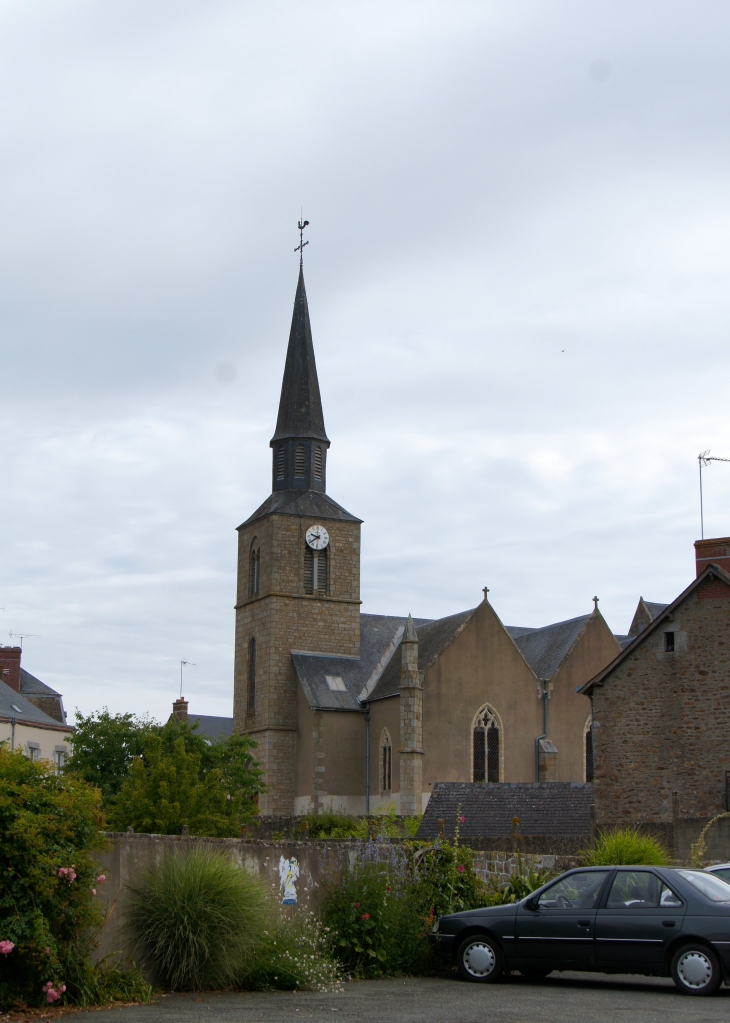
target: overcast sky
<point>518,285</point>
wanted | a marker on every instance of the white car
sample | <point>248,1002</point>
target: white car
<point>721,869</point>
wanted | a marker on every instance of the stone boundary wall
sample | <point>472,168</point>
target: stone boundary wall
<point>130,855</point>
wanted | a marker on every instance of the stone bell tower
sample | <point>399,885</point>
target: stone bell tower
<point>298,575</point>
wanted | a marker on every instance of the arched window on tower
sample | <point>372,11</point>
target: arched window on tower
<point>315,571</point>
<point>386,762</point>
<point>486,746</point>
<point>318,463</point>
<point>254,570</point>
<point>251,673</point>
<point>299,460</point>
<point>588,750</point>
<point>280,462</point>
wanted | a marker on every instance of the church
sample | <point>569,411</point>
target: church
<point>360,711</point>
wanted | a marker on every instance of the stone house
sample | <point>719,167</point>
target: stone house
<point>356,710</point>
<point>661,709</point>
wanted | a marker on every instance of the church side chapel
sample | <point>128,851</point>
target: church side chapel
<point>359,711</point>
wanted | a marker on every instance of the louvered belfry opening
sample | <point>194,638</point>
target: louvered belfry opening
<point>315,571</point>
<point>318,463</point>
<point>485,749</point>
<point>280,462</point>
<point>299,461</point>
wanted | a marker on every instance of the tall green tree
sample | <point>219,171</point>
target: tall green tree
<point>104,745</point>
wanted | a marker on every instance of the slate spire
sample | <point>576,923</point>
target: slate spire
<point>300,406</point>
<point>300,442</point>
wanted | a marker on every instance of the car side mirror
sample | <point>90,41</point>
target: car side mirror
<point>531,904</point>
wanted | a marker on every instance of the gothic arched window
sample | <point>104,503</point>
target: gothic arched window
<point>486,746</point>
<point>318,463</point>
<point>254,569</point>
<point>588,750</point>
<point>315,571</point>
<point>299,460</point>
<point>251,673</point>
<point>386,762</point>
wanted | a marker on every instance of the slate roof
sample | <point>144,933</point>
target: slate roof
<point>545,808</point>
<point>546,648</point>
<point>306,503</point>
<point>624,641</point>
<point>211,727</point>
<point>33,686</point>
<point>379,639</point>
<point>300,406</point>
<point>433,637</point>
<point>655,609</point>
<point>15,705</point>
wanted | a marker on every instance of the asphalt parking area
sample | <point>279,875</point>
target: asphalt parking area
<point>563,998</point>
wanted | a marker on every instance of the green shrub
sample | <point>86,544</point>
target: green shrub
<point>336,824</point>
<point>292,954</point>
<point>625,846</point>
<point>196,919</point>
<point>50,827</point>
<point>381,912</point>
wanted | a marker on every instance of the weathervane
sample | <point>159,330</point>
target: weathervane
<point>300,247</point>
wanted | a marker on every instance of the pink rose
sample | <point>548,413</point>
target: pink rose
<point>6,947</point>
<point>101,879</point>
<point>67,872</point>
<point>93,891</point>
<point>460,868</point>
<point>365,916</point>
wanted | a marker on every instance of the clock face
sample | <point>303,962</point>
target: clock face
<point>317,538</point>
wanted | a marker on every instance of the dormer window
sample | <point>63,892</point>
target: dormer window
<point>318,463</point>
<point>280,462</point>
<point>299,461</point>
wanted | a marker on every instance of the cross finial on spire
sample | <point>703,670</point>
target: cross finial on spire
<point>485,591</point>
<point>595,603</point>
<point>300,247</point>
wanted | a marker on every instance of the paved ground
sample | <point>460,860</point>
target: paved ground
<point>565,998</point>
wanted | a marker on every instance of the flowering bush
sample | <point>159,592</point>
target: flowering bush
<point>50,826</point>
<point>292,955</point>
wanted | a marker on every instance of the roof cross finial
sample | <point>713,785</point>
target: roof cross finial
<point>595,603</point>
<point>300,247</point>
<point>485,591</point>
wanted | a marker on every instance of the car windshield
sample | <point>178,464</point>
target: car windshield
<point>723,872</point>
<point>713,888</point>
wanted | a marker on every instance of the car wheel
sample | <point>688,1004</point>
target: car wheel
<point>696,970</point>
<point>479,959</point>
<point>535,972</point>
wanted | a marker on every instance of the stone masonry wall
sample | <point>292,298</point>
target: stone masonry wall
<point>283,618</point>
<point>662,720</point>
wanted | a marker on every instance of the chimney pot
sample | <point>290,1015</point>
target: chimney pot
<point>180,709</point>
<point>10,666</point>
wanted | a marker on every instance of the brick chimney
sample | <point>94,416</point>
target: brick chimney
<point>10,666</point>
<point>180,709</point>
<point>712,552</point>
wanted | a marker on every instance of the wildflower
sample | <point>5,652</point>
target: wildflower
<point>365,916</point>
<point>460,868</point>
<point>462,818</point>
<point>6,947</point>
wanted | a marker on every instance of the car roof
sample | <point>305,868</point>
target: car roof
<point>717,866</point>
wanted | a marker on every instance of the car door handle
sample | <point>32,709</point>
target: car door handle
<point>587,923</point>
<point>667,923</point>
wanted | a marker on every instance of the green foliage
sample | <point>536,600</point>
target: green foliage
<point>165,791</point>
<point>625,846</point>
<point>519,886</point>
<point>292,954</point>
<point>104,745</point>
<point>336,824</point>
<point>381,913</point>
<point>197,919</point>
<point>699,848</point>
<point>50,827</point>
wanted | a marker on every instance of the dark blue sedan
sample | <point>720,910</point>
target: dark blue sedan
<point>656,921</point>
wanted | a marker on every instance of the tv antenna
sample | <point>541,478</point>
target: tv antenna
<point>192,665</point>
<point>704,458</point>
<point>23,635</point>
<point>300,247</point>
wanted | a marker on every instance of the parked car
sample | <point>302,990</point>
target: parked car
<point>720,869</point>
<point>656,921</point>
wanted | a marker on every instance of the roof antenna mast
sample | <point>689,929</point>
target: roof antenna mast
<point>704,459</point>
<point>300,247</point>
<point>192,665</point>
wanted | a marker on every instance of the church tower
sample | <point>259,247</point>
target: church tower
<point>298,575</point>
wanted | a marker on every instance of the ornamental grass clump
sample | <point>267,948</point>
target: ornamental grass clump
<point>197,918</point>
<point>625,846</point>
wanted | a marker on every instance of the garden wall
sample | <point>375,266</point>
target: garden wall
<point>129,855</point>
